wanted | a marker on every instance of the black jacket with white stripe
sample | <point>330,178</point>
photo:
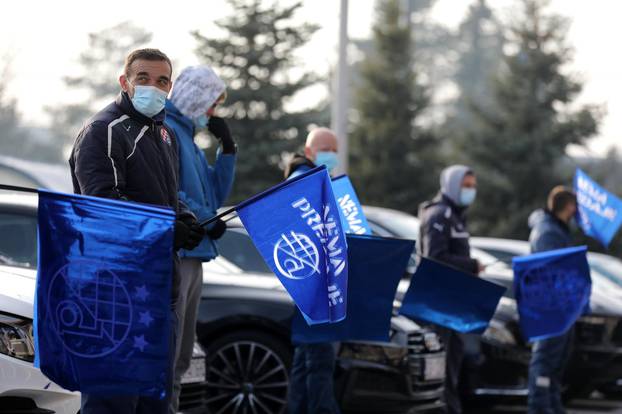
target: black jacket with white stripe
<point>122,154</point>
<point>443,234</point>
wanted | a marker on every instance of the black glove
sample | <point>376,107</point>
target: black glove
<point>218,127</point>
<point>217,229</point>
<point>188,235</point>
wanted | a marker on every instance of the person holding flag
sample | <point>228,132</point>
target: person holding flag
<point>311,388</point>
<point>125,152</point>
<point>550,231</point>
<point>202,187</point>
<point>320,149</point>
<point>444,237</point>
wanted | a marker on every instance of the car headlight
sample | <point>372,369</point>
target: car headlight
<point>497,332</point>
<point>16,337</point>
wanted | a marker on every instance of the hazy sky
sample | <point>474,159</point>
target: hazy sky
<point>45,40</point>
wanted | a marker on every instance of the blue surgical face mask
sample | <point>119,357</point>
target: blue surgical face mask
<point>327,158</point>
<point>201,122</point>
<point>148,100</point>
<point>467,196</point>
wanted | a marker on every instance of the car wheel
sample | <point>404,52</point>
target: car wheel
<point>247,372</point>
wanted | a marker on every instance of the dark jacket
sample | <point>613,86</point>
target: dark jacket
<point>443,234</point>
<point>298,165</point>
<point>122,154</point>
<point>547,232</point>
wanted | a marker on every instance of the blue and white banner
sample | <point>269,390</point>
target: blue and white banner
<point>376,265</point>
<point>102,307</point>
<point>352,217</point>
<point>296,228</point>
<point>599,213</point>
<point>552,291</point>
<point>451,298</point>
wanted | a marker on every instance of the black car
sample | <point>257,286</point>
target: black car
<point>18,219</point>
<point>244,325</point>
<point>500,370</point>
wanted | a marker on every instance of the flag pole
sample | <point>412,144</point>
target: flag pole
<point>8,187</point>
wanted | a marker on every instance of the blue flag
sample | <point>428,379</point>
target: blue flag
<point>102,303</point>
<point>552,290</point>
<point>376,266</point>
<point>599,213</point>
<point>451,298</point>
<point>350,211</point>
<point>296,228</point>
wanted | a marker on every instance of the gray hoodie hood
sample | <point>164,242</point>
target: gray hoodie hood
<point>195,90</point>
<point>536,217</point>
<point>451,181</point>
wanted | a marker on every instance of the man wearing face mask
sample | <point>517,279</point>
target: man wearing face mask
<point>444,237</point>
<point>311,389</point>
<point>202,187</point>
<point>550,231</point>
<point>320,149</point>
<point>125,152</point>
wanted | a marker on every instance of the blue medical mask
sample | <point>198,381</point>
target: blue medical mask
<point>201,122</point>
<point>327,158</point>
<point>148,100</point>
<point>467,196</point>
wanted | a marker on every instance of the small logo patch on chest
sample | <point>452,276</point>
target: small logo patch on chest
<point>165,136</point>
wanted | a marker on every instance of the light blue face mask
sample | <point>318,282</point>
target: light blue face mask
<point>148,100</point>
<point>467,196</point>
<point>327,158</point>
<point>201,122</point>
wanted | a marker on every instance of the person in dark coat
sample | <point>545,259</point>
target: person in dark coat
<point>125,152</point>
<point>550,231</point>
<point>444,237</point>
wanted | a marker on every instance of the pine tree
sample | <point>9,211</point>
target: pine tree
<point>392,162</point>
<point>516,144</point>
<point>255,57</point>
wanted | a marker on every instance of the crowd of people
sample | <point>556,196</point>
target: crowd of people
<point>141,148</point>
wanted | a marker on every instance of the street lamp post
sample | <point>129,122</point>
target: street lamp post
<point>339,115</point>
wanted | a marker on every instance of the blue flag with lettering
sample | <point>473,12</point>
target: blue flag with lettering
<point>376,266</point>
<point>599,213</point>
<point>102,304</point>
<point>552,291</point>
<point>296,228</point>
<point>448,297</point>
<point>352,217</point>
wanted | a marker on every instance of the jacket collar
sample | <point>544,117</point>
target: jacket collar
<point>125,103</point>
<point>552,217</point>
<point>184,121</point>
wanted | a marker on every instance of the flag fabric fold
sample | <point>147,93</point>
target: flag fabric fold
<point>350,210</point>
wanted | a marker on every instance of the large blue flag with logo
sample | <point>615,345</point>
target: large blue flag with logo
<point>599,213</point>
<point>352,217</point>
<point>448,297</point>
<point>296,228</point>
<point>376,266</point>
<point>552,290</point>
<point>102,307</point>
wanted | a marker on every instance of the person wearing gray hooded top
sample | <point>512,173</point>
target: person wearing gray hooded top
<point>444,237</point>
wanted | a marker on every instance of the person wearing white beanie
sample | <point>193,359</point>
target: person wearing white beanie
<point>196,93</point>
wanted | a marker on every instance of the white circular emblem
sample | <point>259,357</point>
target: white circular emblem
<point>296,256</point>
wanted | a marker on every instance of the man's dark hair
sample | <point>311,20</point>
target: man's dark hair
<point>145,54</point>
<point>559,198</point>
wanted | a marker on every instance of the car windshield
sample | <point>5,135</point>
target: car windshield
<point>400,224</point>
<point>237,247</point>
<point>18,244</point>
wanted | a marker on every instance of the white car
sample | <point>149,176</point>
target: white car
<point>23,388</point>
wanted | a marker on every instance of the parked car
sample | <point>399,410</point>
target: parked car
<point>244,324</point>
<point>22,386</point>
<point>596,362</point>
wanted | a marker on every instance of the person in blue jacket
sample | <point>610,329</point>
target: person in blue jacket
<point>202,187</point>
<point>550,231</point>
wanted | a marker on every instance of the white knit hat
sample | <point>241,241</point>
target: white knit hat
<point>195,90</point>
